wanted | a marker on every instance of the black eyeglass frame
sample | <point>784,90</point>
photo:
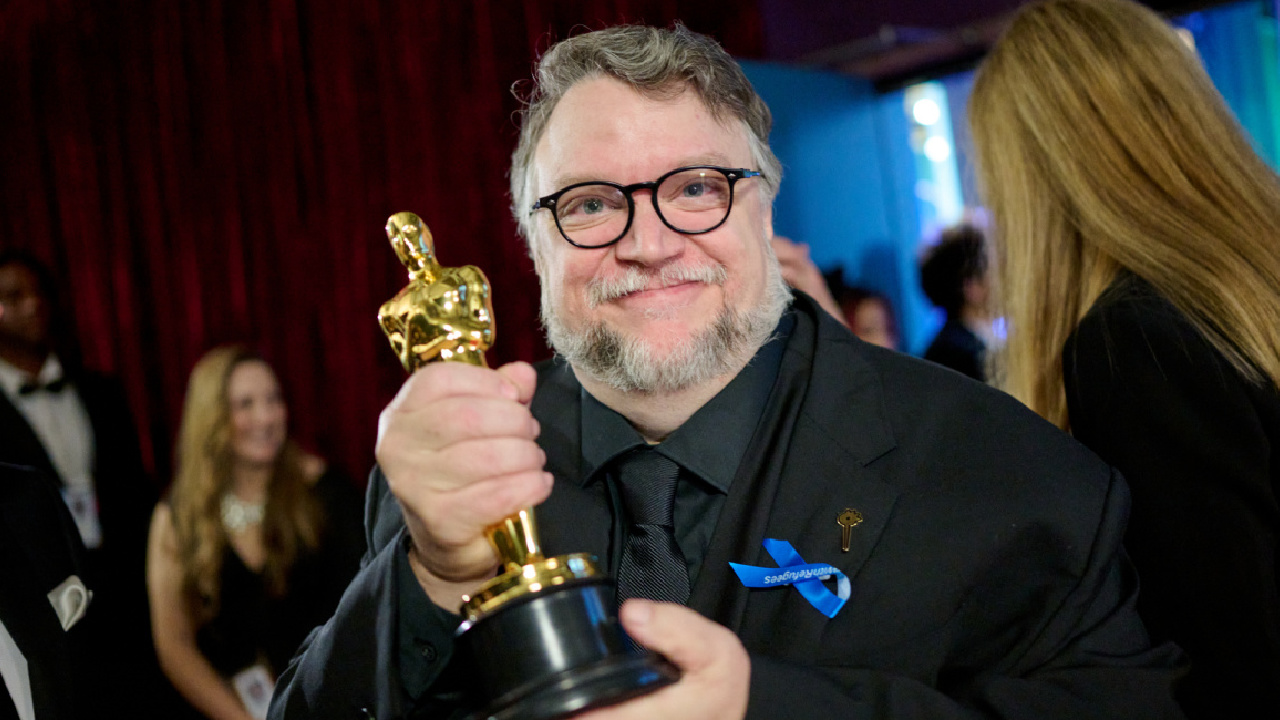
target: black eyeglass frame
<point>732,175</point>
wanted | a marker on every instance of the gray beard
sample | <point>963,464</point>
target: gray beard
<point>631,365</point>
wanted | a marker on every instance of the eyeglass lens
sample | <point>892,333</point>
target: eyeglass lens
<point>691,201</point>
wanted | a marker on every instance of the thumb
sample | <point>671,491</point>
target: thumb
<point>682,635</point>
<point>522,377</point>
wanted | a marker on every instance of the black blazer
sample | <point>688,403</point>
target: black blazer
<point>988,578</point>
<point>39,549</point>
<point>1200,447</point>
<point>117,569</point>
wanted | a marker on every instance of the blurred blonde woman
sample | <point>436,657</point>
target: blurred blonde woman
<point>253,545</point>
<point>1138,259</point>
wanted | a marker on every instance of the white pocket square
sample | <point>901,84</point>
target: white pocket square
<point>69,600</point>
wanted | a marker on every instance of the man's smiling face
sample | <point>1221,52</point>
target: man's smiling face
<point>657,298</point>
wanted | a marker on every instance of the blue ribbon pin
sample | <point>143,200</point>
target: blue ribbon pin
<point>793,570</point>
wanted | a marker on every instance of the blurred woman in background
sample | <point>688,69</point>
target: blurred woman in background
<point>869,314</point>
<point>866,312</point>
<point>1138,251</point>
<point>953,275</point>
<point>252,547</point>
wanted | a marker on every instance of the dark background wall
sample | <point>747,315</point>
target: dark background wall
<point>215,171</point>
<point>205,172</point>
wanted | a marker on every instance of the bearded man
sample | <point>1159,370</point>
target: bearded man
<point>981,569</point>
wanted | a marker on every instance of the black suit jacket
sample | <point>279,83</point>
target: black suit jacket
<point>116,569</point>
<point>988,578</point>
<point>1200,446</point>
<point>39,549</point>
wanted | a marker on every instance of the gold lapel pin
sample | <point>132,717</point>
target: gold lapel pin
<point>847,519</point>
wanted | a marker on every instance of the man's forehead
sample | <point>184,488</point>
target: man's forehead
<point>569,176</point>
<point>602,123</point>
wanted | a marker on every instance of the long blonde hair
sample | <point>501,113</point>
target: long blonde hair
<point>1102,145</point>
<point>292,518</point>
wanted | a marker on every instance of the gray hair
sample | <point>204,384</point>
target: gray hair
<point>656,63</point>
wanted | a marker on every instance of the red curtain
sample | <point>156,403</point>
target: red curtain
<point>215,171</point>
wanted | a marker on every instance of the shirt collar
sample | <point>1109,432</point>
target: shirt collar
<point>730,418</point>
<point>11,378</point>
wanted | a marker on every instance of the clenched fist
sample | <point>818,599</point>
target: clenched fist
<point>458,446</point>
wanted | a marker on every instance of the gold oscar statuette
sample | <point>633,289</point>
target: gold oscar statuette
<point>445,314</point>
<point>542,637</point>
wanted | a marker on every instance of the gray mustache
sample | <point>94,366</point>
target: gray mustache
<point>634,280</point>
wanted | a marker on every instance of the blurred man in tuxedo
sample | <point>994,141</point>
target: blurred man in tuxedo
<point>74,426</point>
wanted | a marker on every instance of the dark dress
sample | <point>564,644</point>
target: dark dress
<point>251,625</point>
<point>1200,447</point>
<point>959,348</point>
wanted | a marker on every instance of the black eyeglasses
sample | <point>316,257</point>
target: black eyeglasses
<point>689,200</point>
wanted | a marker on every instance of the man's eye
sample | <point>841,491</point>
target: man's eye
<point>696,190</point>
<point>586,206</point>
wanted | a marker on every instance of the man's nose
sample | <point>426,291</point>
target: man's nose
<point>649,241</point>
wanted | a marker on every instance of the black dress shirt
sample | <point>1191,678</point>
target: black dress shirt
<point>708,447</point>
<point>988,576</point>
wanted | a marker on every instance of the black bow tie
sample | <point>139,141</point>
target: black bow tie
<point>32,386</point>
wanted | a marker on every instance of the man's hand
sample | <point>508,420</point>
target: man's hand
<point>716,669</point>
<point>458,447</point>
<point>800,272</point>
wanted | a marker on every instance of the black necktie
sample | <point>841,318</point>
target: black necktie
<point>652,565</point>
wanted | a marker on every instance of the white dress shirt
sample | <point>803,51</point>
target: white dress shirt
<point>13,669</point>
<point>61,422</point>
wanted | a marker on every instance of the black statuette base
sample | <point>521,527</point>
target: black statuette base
<point>555,653</point>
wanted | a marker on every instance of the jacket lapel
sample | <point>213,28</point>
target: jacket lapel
<point>574,519</point>
<point>38,550</point>
<point>21,445</point>
<point>37,527</point>
<point>824,427</point>
<point>746,512</point>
